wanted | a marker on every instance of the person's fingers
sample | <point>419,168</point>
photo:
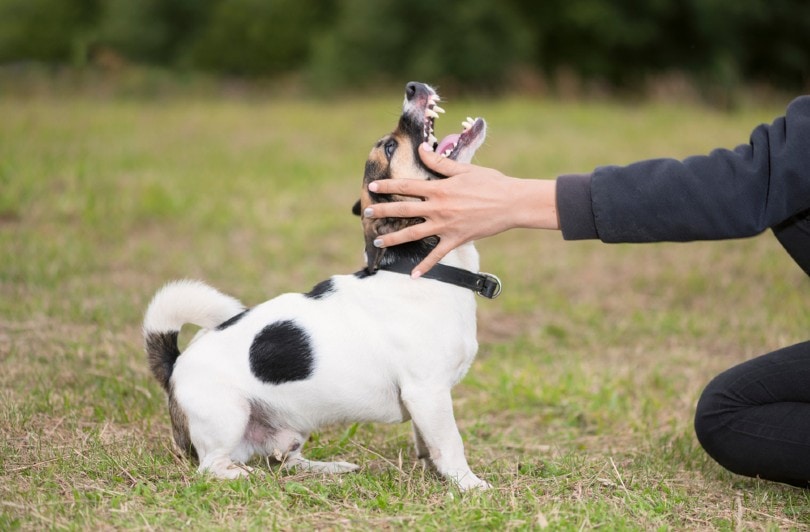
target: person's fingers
<point>408,234</point>
<point>396,209</point>
<point>410,209</point>
<point>432,259</point>
<point>406,187</point>
<point>440,164</point>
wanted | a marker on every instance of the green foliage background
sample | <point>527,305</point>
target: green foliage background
<point>477,43</point>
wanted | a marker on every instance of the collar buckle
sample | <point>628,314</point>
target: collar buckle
<point>490,286</point>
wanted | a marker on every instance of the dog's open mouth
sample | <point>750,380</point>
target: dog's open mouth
<point>456,146</point>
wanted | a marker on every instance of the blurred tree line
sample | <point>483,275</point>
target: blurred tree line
<point>475,43</point>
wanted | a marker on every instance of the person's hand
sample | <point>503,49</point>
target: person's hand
<point>472,203</point>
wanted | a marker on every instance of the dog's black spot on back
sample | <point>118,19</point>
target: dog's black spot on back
<point>230,321</point>
<point>280,353</point>
<point>321,290</point>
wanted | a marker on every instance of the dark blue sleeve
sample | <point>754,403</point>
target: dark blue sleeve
<point>794,235</point>
<point>725,194</point>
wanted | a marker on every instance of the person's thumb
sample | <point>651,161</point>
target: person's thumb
<point>438,163</point>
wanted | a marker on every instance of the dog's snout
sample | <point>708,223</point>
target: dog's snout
<point>416,90</point>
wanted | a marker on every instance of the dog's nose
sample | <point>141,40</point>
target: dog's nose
<point>414,88</point>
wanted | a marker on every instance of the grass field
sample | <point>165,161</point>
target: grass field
<point>578,408</point>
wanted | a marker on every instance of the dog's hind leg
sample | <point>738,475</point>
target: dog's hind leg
<point>435,425</point>
<point>217,426</point>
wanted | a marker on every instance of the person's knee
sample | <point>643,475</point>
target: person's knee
<point>721,407</point>
<point>714,408</point>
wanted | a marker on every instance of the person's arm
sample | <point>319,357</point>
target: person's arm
<point>726,194</point>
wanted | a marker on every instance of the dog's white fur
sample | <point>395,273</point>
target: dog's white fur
<point>385,348</point>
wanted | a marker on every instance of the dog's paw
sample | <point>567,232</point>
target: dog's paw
<point>329,468</point>
<point>471,482</point>
<point>341,467</point>
<point>234,471</point>
<point>480,485</point>
<point>227,470</point>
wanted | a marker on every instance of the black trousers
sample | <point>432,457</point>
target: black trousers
<point>754,418</point>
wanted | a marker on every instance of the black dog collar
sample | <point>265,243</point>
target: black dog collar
<point>483,284</point>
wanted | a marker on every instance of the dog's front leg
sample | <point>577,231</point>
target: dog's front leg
<point>434,424</point>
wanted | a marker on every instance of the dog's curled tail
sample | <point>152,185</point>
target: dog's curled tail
<point>173,306</point>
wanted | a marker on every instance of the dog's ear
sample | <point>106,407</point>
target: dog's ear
<point>371,230</point>
<point>374,255</point>
<point>376,168</point>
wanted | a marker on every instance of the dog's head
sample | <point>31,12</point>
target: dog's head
<point>395,156</point>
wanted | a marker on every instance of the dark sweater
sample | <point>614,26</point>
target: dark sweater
<point>726,194</point>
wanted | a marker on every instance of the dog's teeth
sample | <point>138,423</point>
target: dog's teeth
<point>466,125</point>
<point>432,139</point>
<point>470,120</point>
<point>448,151</point>
<point>431,113</point>
<point>437,109</point>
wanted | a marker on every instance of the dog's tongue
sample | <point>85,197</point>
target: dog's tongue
<point>447,142</point>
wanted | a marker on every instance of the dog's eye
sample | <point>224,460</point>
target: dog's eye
<point>389,148</point>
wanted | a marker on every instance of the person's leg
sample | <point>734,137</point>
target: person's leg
<point>754,419</point>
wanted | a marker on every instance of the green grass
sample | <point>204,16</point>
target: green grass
<point>578,408</point>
